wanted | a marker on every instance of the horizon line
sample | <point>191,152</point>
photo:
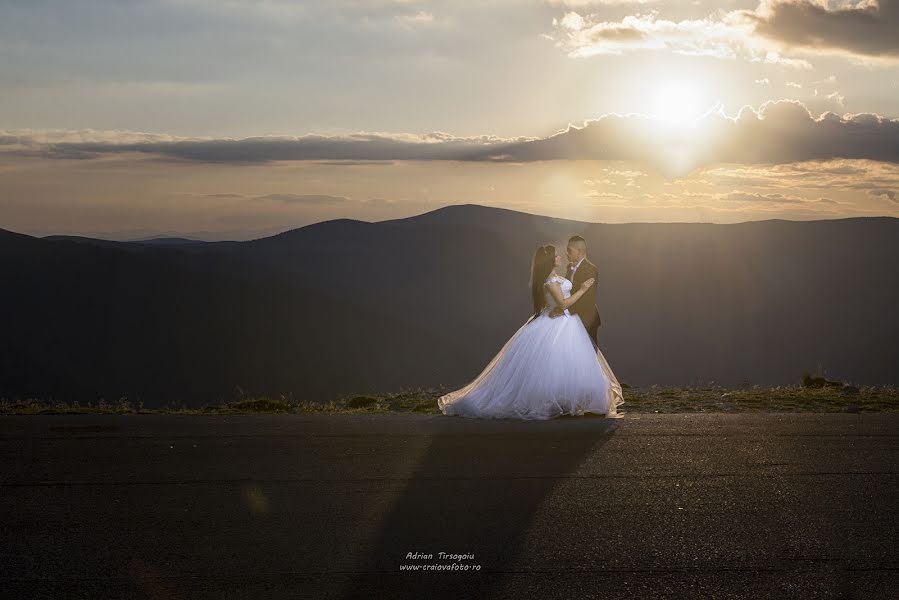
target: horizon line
<point>191,236</point>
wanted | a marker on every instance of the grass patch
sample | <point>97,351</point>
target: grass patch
<point>798,398</point>
<point>653,399</point>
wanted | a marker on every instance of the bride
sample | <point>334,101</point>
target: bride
<point>548,367</point>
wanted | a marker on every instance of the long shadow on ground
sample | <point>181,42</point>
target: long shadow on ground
<point>472,493</point>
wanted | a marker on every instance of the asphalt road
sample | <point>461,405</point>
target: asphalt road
<point>296,506</point>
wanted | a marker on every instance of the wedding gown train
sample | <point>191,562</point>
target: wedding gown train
<point>548,368</point>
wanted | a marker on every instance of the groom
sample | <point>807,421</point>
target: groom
<point>580,270</point>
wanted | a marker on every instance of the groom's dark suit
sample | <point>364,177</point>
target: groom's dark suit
<point>585,308</point>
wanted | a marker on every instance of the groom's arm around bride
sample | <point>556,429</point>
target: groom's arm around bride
<point>585,307</point>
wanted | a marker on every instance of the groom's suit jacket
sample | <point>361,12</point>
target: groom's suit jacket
<point>585,308</point>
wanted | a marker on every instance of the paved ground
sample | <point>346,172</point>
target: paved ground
<point>674,505</point>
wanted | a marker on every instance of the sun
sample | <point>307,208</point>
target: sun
<point>677,103</point>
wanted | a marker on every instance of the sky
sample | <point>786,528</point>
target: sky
<point>238,119</point>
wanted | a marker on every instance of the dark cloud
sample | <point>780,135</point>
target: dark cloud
<point>866,28</point>
<point>354,148</point>
<point>884,194</point>
<point>786,131</point>
<point>778,132</point>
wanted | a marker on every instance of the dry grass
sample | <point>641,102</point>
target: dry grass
<point>762,399</point>
<point>713,399</point>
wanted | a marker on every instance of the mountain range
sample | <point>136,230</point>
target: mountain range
<point>351,307</point>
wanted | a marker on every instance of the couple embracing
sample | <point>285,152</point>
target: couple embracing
<point>552,365</point>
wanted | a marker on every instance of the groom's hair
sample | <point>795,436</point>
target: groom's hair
<point>577,240</point>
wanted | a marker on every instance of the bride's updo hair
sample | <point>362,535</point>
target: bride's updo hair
<point>544,261</point>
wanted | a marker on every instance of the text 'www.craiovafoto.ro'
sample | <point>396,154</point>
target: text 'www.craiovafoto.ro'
<point>448,562</point>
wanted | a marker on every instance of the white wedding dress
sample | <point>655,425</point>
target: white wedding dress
<point>547,368</point>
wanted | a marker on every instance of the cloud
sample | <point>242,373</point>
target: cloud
<point>353,147</point>
<point>356,163</point>
<point>876,179</point>
<point>837,97</point>
<point>861,27</point>
<point>727,37</point>
<point>303,198</point>
<point>284,198</point>
<point>273,9</point>
<point>828,79</point>
<point>583,36</point>
<point>885,194</point>
<point>864,29</point>
<point>735,202</point>
<point>778,132</point>
<point>293,11</point>
<point>583,3</point>
<point>750,197</point>
<point>418,19</point>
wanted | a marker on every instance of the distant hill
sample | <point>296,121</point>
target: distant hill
<point>80,239</point>
<point>167,241</point>
<point>348,306</point>
<point>162,241</point>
